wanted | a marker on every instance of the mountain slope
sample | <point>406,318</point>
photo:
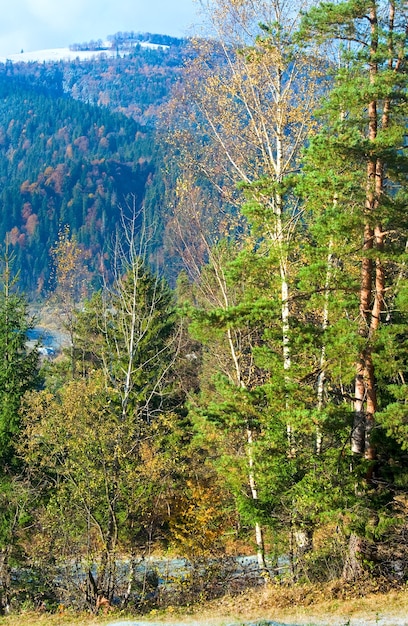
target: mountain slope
<point>77,143</point>
<point>63,162</point>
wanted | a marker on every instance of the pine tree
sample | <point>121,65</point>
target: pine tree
<point>371,117</point>
<point>355,172</point>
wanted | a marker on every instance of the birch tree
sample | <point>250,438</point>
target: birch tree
<point>71,285</point>
<point>229,340</point>
<point>138,325</point>
<point>250,95</point>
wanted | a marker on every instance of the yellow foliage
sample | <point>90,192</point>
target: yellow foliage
<point>199,520</point>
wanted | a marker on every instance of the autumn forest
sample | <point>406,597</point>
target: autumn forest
<point>219,228</point>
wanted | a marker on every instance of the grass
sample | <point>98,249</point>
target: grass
<point>301,604</point>
<point>304,604</point>
<point>65,619</point>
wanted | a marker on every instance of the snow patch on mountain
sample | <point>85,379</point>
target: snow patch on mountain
<point>66,54</point>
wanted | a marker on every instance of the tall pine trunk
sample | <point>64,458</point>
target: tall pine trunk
<point>372,287</point>
<point>372,283</point>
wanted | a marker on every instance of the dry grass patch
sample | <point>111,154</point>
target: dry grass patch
<point>333,603</point>
<point>304,603</point>
<point>48,619</point>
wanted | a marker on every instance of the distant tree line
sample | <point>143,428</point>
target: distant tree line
<point>90,45</point>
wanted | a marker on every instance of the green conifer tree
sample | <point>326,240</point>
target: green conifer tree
<point>18,374</point>
<point>19,364</point>
<point>354,181</point>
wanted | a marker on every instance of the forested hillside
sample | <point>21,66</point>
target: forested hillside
<point>77,144</point>
<point>134,75</point>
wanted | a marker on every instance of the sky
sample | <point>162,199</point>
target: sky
<point>41,24</point>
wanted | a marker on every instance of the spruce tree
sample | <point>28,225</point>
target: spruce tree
<point>19,363</point>
<point>18,374</point>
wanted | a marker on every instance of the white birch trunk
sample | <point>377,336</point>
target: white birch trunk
<point>259,535</point>
<point>322,371</point>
